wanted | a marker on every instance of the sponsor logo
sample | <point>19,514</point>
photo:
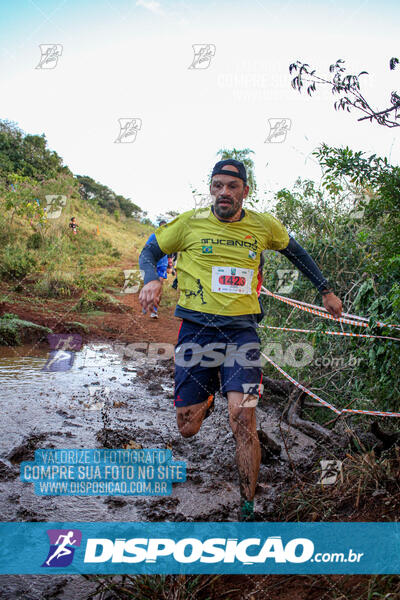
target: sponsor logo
<point>63,543</point>
<point>240,243</point>
<point>206,249</point>
<point>190,550</point>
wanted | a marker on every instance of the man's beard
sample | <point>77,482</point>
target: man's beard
<point>225,212</point>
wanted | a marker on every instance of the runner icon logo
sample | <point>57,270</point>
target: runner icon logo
<point>287,279</point>
<point>63,543</point>
<point>50,53</point>
<point>203,54</point>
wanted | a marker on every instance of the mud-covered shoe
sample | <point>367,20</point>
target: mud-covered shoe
<point>246,510</point>
<point>210,406</point>
<point>154,315</point>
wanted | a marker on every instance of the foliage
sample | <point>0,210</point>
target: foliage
<point>100,195</point>
<point>13,330</point>
<point>16,263</point>
<point>19,196</point>
<point>34,241</point>
<point>93,300</point>
<point>27,155</point>
<point>348,88</point>
<point>350,226</point>
<point>362,475</point>
<point>57,284</point>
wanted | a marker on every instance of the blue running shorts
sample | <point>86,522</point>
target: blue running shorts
<point>210,359</point>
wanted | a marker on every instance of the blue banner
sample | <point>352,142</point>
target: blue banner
<point>191,548</point>
<point>103,472</point>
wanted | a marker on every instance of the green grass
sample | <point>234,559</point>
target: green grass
<point>53,263</point>
<point>13,330</point>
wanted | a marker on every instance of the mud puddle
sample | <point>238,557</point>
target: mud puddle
<point>106,400</point>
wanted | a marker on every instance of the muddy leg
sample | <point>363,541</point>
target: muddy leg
<point>190,418</point>
<point>242,418</point>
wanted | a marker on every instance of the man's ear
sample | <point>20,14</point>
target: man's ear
<point>246,191</point>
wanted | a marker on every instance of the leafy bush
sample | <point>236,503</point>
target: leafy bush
<point>109,278</point>
<point>14,330</point>
<point>16,263</point>
<point>351,227</point>
<point>93,300</point>
<point>56,285</point>
<point>34,241</point>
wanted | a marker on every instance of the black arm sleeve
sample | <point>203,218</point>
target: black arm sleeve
<point>303,261</point>
<point>148,259</point>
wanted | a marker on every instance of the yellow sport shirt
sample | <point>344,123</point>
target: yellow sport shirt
<point>218,261</point>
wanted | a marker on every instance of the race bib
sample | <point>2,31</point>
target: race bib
<point>231,280</point>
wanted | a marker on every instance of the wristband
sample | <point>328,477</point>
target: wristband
<point>328,291</point>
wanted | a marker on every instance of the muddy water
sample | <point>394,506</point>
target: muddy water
<point>108,400</point>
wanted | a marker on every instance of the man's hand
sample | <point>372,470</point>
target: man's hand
<point>150,295</point>
<point>333,304</point>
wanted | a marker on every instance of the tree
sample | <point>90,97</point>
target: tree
<point>167,216</point>
<point>348,87</point>
<point>27,155</point>
<point>243,156</point>
<point>100,195</point>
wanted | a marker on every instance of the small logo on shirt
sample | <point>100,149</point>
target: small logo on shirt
<point>252,254</point>
<point>206,249</point>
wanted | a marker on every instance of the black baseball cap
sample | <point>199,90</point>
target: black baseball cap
<point>219,169</point>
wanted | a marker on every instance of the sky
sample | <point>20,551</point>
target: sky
<point>137,62</point>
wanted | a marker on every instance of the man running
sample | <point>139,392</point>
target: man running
<point>219,254</point>
<point>73,225</point>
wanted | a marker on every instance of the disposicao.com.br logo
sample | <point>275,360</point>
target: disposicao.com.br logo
<point>212,550</point>
<point>62,547</point>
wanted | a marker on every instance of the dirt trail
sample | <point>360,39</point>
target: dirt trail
<point>125,324</point>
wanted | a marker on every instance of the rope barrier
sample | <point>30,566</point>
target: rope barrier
<point>317,310</point>
<point>324,402</point>
<point>365,335</point>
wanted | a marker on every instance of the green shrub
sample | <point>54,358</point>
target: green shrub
<point>116,253</point>
<point>16,263</point>
<point>13,330</point>
<point>109,278</point>
<point>92,300</point>
<point>56,285</point>
<point>34,241</point>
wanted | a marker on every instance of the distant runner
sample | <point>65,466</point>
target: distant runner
<point>162,271</point>
<point>219,256</point>
<point>74,225</point>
